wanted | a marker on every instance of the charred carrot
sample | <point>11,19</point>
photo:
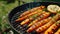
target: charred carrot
<point>29,11</point>
<point>58,31</point>
<point>33,27</point>
<point>26,21</point>
<point>31,18</point>
<point>26,16</point>
<point>38,24</point>
<point>32,10</point>
<point>44,27</point>
<point>43,16</point>
<point>53,28</point>
<point>22,18</point>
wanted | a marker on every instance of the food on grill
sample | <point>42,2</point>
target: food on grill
<point>53,28</point>
<point>43,16</point>
<point>22,18</point>
<point>47,25</point>
<point>31,18</point>
<point>32,10</point>
<point>28,15</point>
<point>41,20</point>
<point>58,31</point>
<point>38,24</point>
<point>53,8</point>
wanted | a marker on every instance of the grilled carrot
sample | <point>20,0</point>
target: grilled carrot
<point>29,11</point>
<point>44,27</point>
<point>31,18</point>
<point>58,31</point>
<point>32,10</point>
<point>38,24</point>
<point>53,28</point>
<point>43,16</point>
<point>26,21</point>
<point>22,18</point>
<point>26,16</point>
<point>33,27</point>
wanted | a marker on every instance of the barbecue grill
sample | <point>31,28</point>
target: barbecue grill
<point>14,14</point>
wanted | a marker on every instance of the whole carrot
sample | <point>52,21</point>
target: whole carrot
<point>33,27</point>
<point>31,18</point>
<point>28,15</point>
<point>58,31</point>
<point>32,10</point>
<point>43,16</point>
<point>38,24</point>
<point>52,29</point>
<point>29,11</point>
<point>44,27</point>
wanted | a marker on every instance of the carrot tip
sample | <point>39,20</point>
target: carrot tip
<point>17,20</point>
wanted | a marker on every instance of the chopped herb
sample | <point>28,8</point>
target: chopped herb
<point>45,9</point>
<point>34,16</point>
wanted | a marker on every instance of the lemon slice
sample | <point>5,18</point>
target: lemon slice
<point>53,8</point>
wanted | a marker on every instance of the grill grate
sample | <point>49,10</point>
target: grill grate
<point>17,25</point>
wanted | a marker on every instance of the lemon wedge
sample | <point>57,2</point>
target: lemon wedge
<point>53,8</point>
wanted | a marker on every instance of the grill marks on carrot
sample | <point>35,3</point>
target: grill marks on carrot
<point>38,24</point>
<point>52,28</point>
<point>32,10</point>
<point>43,16</point>
<point>46,26</point>
<point>31,18</point>
<point>28,15</point>
<point>40,21</point>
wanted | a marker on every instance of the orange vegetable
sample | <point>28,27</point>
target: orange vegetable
<point>28,15</point>
<point>31,18</point>
<point>32,10</point>
<point>35,26</point>
<point>43,16</point>
<point>52,29</point>
<point>38,24</point>
<point>44,27</point>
